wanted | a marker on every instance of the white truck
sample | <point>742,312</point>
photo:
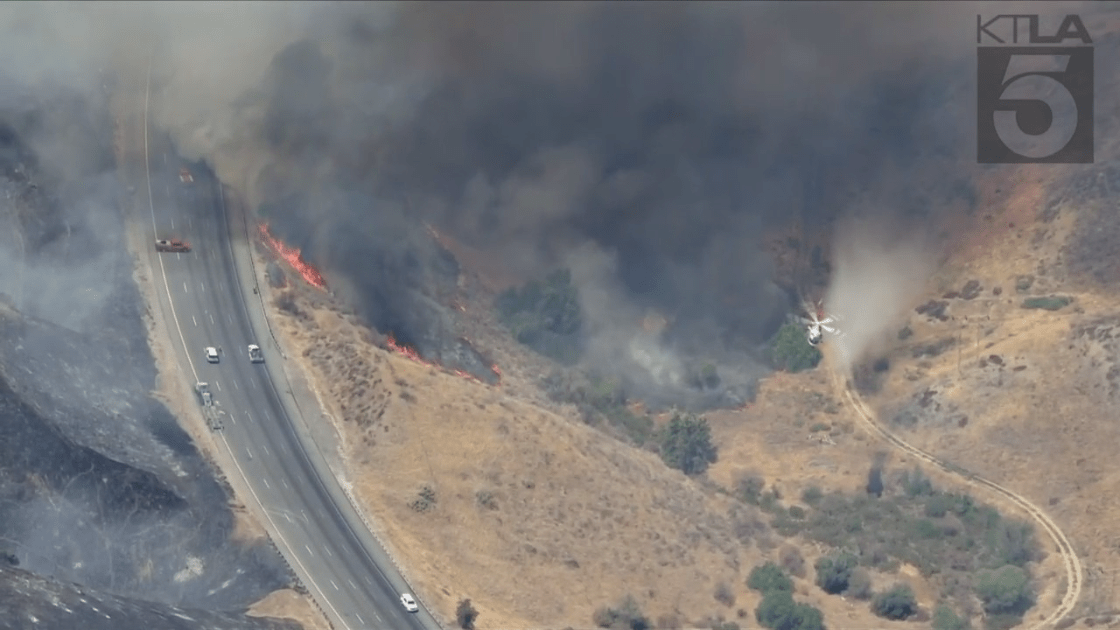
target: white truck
<point>204,395</point>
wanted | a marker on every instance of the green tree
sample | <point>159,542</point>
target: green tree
<point>686,444</point>
<point>896,603</point>
<point>545,315</point>
<point>1006,590</point>
<point>769,577</point>
<point>778,611</point>
<point>790,350</point>
<point>465,614</point>
<point>834,572</point>
<point>945,619</point>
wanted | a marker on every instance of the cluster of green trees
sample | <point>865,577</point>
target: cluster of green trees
<point>545,316</point>
<point>686,444</point>
<point>965,546</point>
<point>790,351</point>
<point>778,610</point>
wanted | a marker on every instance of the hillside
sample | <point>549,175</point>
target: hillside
<point>526,494</point>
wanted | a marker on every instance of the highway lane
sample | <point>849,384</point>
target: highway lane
<point>207,309</point>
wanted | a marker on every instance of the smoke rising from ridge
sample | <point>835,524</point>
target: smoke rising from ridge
<point>669,137</point>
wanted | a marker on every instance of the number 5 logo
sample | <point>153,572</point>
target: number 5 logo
<point>1035,105</point>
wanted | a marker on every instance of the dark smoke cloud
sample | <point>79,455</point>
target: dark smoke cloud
<point>647,144</point>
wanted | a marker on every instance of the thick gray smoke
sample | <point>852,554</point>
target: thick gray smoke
<point>665,137</point>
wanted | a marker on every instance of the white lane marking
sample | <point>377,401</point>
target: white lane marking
<point>230,318</point>
<point>189,223</point>
<point>233,420</point>
<point>202,286</point>
<point>248,416</point>
<point>219,385</point>
<point>235,386</point>
<point>265,449</point>
<point>359,618</point>
<point>211,317</point>
<point>165,158</point>
<point>288,517</point>
<point>172,220</point>
<point>352,584</point>
<point>329,552</point>
<point>265,480</point>
<point>249,452</point>
<point>253,381</point>
<point>185,289</point>
<point>194,320</point>
<point>221,286</point>
<point>178,256</point>
<point>334,585</point>
<point>183,340</point>
<point>284,482</point>
<point>309,550</point>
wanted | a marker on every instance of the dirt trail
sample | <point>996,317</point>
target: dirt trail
<point>1072,563</point>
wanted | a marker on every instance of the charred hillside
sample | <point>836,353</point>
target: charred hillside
<point>103,497</point>
<point>654,184</point>
<point>31,601</point>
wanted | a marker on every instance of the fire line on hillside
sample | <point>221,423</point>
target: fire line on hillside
<point>412,354</point>
<point>294,257</point>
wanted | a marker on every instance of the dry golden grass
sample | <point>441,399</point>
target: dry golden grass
<point>530,502</point>
<point>288,604</point>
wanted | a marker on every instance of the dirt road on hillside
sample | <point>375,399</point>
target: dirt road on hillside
<point>1074,573</point>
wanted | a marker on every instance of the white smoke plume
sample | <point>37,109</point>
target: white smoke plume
<point>877,276</point>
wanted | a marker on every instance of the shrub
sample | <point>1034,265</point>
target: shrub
<point>749,488</point>
<point>686,444</point>
<point>768,577</point>
<point>811,495</point>
<point>778,611</point>
<point>626,615</point>
<point>896,603</point>
<point>425,500</point>
<point>796,512</point>
<point>1052,303</point>
<point>859,584</point>
<point>790,351</point>
<point>834,572</point>
<point>1005,590</point>
<point>545,315</point>
<point>945,619</point>
<point>465,614</point>
<point>791,560</point>
<point>724,595</point>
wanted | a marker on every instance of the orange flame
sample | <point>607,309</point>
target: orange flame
<point>294,258</point>
<point>412,354</point>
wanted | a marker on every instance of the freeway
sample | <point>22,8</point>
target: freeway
<point>203,302</point>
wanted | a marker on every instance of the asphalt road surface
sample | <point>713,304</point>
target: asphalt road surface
<point>204,304</point>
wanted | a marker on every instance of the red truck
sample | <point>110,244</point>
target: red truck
<point>172,245</point>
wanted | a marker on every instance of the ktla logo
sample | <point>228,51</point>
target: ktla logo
<point>1034,102</point>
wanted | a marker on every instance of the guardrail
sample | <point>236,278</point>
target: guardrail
<point>253,267</point>
<point>347,490</point>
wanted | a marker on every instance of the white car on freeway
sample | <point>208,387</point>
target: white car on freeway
<point>409,603</point>
<point>255,354</point>
<point>211,354</point>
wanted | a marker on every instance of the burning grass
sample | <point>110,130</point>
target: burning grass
<point>294,258</point>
